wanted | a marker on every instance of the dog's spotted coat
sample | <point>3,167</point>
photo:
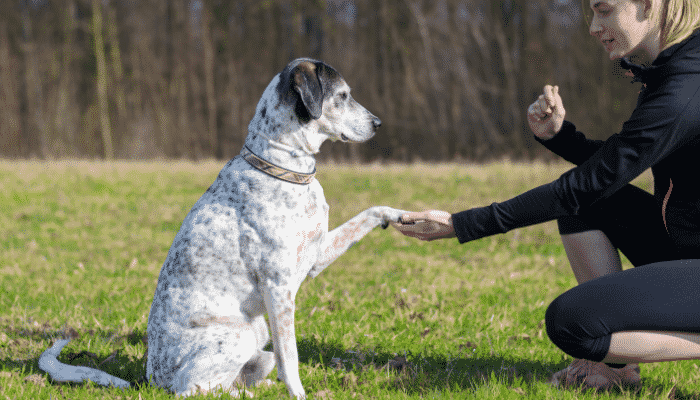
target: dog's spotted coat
<point>251,239</point>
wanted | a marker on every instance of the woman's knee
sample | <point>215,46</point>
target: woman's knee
<point>556,325</point>
<point>568,326</point>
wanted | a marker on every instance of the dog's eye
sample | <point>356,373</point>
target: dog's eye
<point>344,96</point>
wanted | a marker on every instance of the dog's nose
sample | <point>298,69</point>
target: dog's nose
<point>376,122</point>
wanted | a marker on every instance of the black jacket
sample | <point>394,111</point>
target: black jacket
<point>663,134</point>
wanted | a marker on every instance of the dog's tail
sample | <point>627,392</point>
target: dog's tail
<point>60,372</point>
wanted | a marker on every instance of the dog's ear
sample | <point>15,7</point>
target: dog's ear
<point>308,85</point>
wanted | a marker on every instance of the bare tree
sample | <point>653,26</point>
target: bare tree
<point>34,122</point>
<point>101,82</point>
<point>10,113</point>
<point>451,79</point>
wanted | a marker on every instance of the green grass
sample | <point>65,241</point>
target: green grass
<point>81,245</point>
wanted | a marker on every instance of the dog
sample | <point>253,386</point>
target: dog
<point>249,242</point>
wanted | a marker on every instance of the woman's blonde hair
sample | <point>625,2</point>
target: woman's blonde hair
<point>679,19</point>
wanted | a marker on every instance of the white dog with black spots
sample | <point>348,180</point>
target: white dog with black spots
<point>248,243</point>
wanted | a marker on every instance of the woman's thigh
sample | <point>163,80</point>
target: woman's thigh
<point>658,297</point>
<point>631,219</point>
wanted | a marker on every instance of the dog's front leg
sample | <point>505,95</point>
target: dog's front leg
<point>340,239</point>
<point>279,302</point>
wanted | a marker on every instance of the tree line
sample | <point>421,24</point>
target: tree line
<point>450,79</point>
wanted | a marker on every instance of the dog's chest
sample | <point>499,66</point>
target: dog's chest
<point>247,228</point>
<point>284,224</point>
<point>309,227</point>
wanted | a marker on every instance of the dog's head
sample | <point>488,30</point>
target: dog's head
<point>321,100</point>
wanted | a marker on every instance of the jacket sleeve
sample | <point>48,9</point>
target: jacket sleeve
<point>660,124</point>
<point>571,145</point>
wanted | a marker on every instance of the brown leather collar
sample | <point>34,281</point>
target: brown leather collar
<point>275,171</point>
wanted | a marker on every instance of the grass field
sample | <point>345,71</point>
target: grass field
<point>81,245</point>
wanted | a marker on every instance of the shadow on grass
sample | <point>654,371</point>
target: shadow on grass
<point>412,373</point>
<point>662,391</point>
<point>421,373</point>
<point>425,373</point>
<point>23,340</point>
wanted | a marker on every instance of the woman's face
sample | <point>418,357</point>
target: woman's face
<point>622,26</point>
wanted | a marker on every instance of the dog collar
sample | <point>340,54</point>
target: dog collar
<point>276,171</point>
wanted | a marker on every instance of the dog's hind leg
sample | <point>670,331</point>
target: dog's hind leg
<point>262,363</point>
<point>217,363</point>
<point>260,366</point>
<point>208,373</point>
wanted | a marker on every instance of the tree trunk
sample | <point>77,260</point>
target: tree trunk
<point>35,127</point>
<point>105,127</point>
<point>10,114</point>
<point>116,60</point>
<point>208,46</point>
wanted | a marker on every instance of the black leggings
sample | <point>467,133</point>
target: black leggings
<point>656,297</point>
<point>631,219</point>
<point>662,295</point>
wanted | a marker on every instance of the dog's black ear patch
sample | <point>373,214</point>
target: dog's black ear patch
<point>306,82</point>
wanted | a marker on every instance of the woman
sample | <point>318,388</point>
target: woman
<point>645,314</point>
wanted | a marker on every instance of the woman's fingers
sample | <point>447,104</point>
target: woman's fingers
<point>555,91</point>
<point>536,117</point>
<point>411,218</point>
<point>546,114</point>
<point>532,111</point>
<point>551,94</point>
<point>547,103</point>
<point>540,109</point>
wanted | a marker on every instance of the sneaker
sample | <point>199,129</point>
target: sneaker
<point>594,375</point>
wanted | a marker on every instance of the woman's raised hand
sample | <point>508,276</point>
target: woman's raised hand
<point>546,114</point>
